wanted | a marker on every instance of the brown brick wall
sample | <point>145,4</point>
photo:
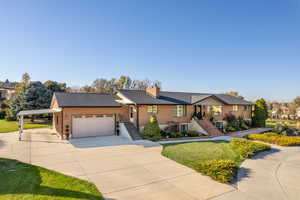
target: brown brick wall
<point>164,114</point>
<point>121,112</point>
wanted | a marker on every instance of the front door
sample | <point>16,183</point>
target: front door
<point>131,114</point>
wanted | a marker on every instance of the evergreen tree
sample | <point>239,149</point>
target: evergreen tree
<point>33,96</point>
<point>260,113</point>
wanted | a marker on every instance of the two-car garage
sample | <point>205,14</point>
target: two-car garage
<point>87,114</point>
<point>93,125</point>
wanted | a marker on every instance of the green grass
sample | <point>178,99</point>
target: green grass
<point>20,181</point>
<point>217,159</point>
<point>11,126</point>
<point>190,154</point>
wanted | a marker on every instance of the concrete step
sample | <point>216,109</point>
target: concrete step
<point>209,128</point>
<point>133,131</point>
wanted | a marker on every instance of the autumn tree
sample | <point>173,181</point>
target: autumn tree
<point>235,94</point>
<point>24,82</point>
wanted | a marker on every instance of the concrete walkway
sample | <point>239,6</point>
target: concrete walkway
<point>271,175</point>
<point>250,131</point>
<point>121,169</point>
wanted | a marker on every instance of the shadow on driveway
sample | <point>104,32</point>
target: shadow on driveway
<point>108,141</point>
<point>245,172</point>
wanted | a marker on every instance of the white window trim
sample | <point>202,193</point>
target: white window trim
<point>180,110</point>
<point>152,109</point>
<point>186,124</point>
<point>235,108</point>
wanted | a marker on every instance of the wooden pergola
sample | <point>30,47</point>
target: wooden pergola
<point>23,113</point>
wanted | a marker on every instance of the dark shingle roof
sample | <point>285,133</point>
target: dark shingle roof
<point>86,100</point>
<point>141,97</point>
<point>8,85</point>
<point>232,100</point>
<point>171,98</point>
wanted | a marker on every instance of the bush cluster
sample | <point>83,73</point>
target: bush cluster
<point>247,148</point>
<point>275,138</point>
<point>236,124</point>
<point>284,129</point>
<point>220,170</point>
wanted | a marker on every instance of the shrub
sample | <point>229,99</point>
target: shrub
<point>230,128</point>
<point>172,127</point>
<point>152,130</point>
<point>277,139</point>
<point>247,148</point>
<point>192,133</point>
<point>220,170</point>
<point>176,135</point>
<point>2,114</point>
<point>285,130</point>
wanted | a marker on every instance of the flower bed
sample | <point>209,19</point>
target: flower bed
<point>274,138</point>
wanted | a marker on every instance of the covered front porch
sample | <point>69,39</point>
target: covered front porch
<point>209,108</point>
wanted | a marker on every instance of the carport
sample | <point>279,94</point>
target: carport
<point>23,113</point>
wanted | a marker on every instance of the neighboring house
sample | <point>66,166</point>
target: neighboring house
<point>7,89</point>
<point>84,114</point>
<point>298,112</point>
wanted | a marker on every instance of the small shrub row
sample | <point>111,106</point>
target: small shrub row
<point>190,133</point>
<point>220,170</point>
<point>275,138</point>
<point>247,148</point>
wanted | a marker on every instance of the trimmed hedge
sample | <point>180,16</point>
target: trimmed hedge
<point>221,170</point>
<point>247,148</point>
<point>275,138</point>
<point>225,170</point>
<point>192,133</point>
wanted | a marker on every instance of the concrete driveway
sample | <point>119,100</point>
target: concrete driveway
<point>121,169</point>
<point>271,175</point>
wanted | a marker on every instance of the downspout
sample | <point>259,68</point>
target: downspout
<point>62,124</point>
<point>137,118</point>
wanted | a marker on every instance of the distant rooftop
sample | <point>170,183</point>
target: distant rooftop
<point>8,85</point>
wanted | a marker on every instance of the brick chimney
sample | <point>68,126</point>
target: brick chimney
<point>153,91</point>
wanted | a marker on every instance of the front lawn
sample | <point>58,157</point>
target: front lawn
<point>23,181</point>
<point>275,138</point>
<point>11,126</point>
<point>217,159</point>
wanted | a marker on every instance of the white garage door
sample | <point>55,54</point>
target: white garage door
<point>93,125</point>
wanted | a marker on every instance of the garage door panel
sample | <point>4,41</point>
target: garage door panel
<point>93,126</point>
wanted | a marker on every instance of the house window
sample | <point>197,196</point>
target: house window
<point>56,123</point>
<point>235,108</point>
<point>184,128</point>
<point>217,110</point>
<point>152,109</point>
<point>180,111</point>
<point>246,108</point>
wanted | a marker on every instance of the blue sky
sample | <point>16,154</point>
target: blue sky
<point>201,46</point>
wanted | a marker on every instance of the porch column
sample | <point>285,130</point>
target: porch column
<point>21,126</point>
